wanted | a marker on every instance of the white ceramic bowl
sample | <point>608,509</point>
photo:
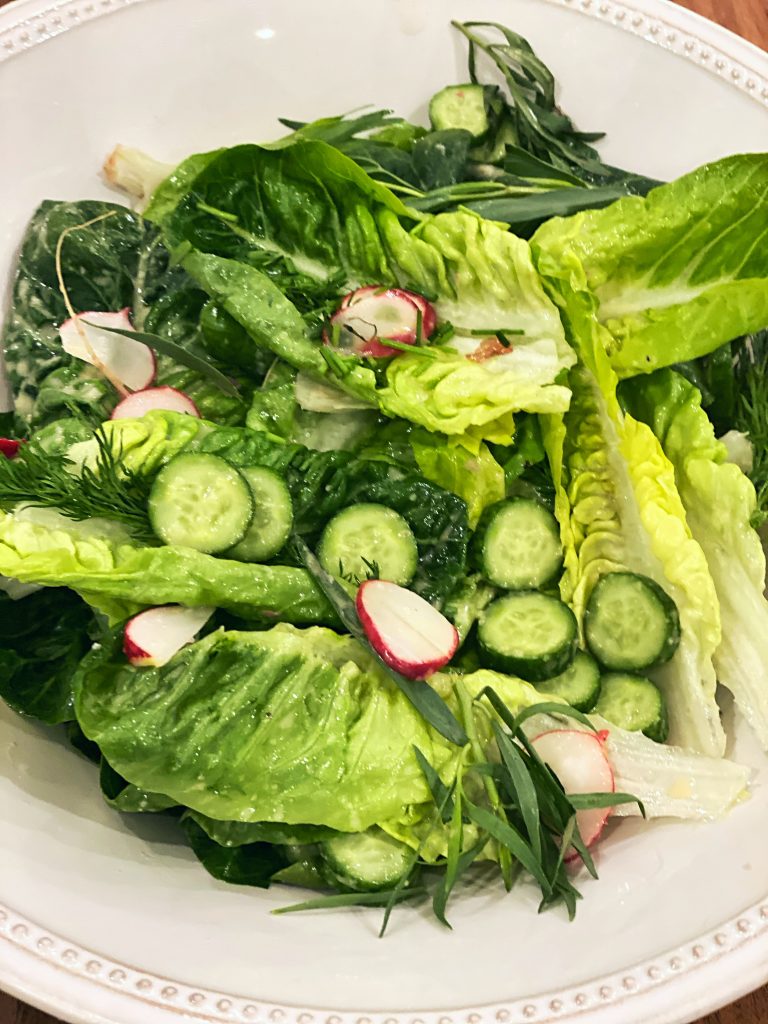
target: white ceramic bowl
<point>111,921</point>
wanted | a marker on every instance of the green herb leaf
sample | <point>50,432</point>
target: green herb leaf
<point>180,355</point>
<point>427,702</point>
<point>42,639</point>
<point>507,835</point>
<point>453,855</point>
<point>588,801</point>
<point>441,794</point>
<point>522,786</point>
<point>352,899</point>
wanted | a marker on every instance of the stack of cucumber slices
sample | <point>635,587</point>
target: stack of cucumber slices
<point>201,501</point>
<point>630,625</point>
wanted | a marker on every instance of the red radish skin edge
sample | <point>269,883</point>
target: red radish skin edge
<point>375,348</point>
<point>135,654</point>
<point>164,398</point>
<point>9,448</point>
<point>410,669</point>
<point>596,831</point>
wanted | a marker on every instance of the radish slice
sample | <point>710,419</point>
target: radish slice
<point>578,759</point>
<point>9,448</point>
<point>130,362</point>
<point>369,316</point>
<point>153,637</point>
<point>428,314</point>
<point>140,402</point>
<point>409,634</point>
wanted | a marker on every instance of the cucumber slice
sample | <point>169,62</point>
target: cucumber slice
<point>633,702</point>
<point>579,684</point>
<point>272,516</point>
<point>367,861</point>
<point>528,634</point>
<point>517,545</point>
<point>460,106</point>
<point>630,622</point>
<point>199,501</point>
<point>369,535</point>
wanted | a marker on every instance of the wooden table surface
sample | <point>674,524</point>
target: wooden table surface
<point>750,19</point>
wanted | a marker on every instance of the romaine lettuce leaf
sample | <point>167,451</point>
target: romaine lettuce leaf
<point>479,276</point>
<point>144,445</point>
<point>678,272</point>
<point>126,798</point>
<point>669,781</point>
<point>306,202</point>
<point>165,198</point>
<point>472,474</point>
<point>450,394</point>
<point>37,546</point>
<point>299,727</point>
<point>719,501</point>
<point>463,466</point>
<point>287,726</point>
<point>619,508</point>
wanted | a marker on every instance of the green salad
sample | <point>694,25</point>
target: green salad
<point>383,501</point>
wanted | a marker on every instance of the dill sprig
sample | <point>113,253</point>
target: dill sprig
<point>373,572</point>
<point>104,489</point>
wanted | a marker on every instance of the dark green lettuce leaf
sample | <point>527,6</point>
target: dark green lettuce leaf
<point>118,577</point>
<point>254,864</point>
<point>306,202</point>
<point>112,264</point>
<point>42,639</point>
<point>127,798</point>
<point>241,833</point>
<point>115,263</point>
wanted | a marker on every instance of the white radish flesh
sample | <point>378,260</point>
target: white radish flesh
<point>152,637</point>
<point>410,635</point>
<point>130,362</point>
<point>578,759</point>
<point>164,398</point>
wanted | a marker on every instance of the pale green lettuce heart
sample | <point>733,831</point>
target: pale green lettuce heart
<point>470,472</point>
<point>117,575</point>
<point>677,273</point>
<point>619,509</point>
<point>719,501</point>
